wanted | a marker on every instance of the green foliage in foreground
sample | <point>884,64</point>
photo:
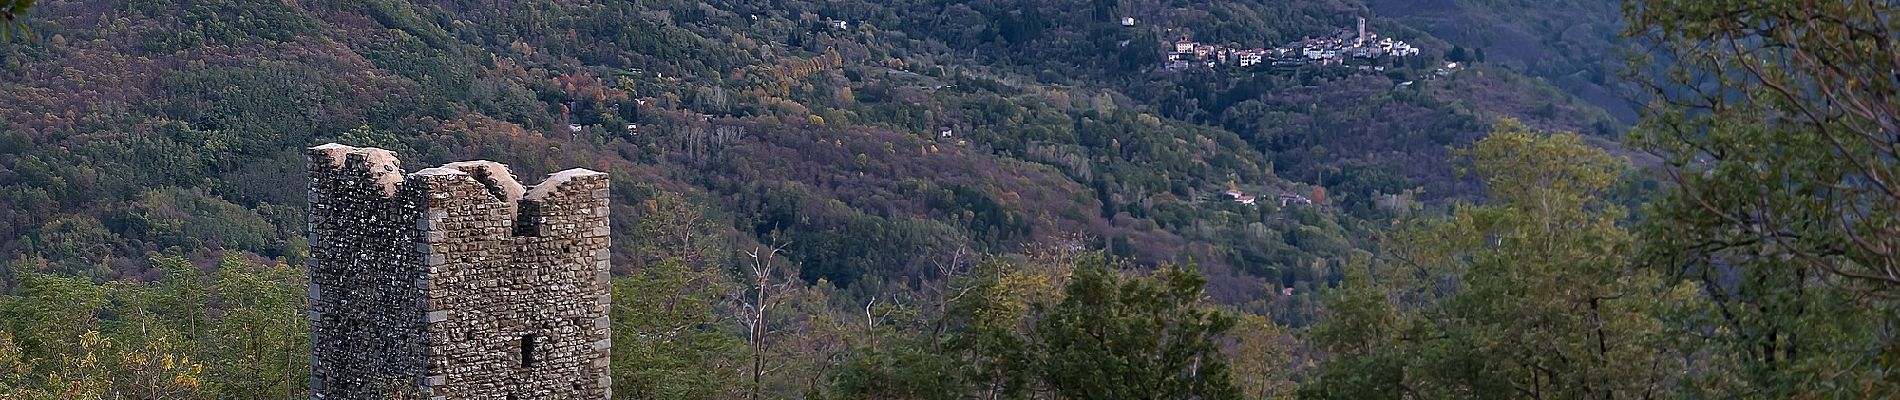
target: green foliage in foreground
<point>668,343</point>
<point>1529,296</point>
<point>1108,335</point>
<point>237,333</point>
<point>1072,327</point>
<point>12,19</point>
<point>1787,210</point>
<point>1087,339</point>
<point>1767,271</point>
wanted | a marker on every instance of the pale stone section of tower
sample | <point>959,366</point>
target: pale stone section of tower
<point>456,282</point>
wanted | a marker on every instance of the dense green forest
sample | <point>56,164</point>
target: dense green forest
<point>997,199</point>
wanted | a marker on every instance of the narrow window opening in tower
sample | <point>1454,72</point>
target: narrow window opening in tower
<point>525,212</point>
<point>527,350</point>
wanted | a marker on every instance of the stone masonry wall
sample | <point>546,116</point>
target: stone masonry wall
<point>456,280</point>
<point>363,308</point>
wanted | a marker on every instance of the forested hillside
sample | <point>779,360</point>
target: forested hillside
<point>135,125</point>
<point>950,199</point>
<point>1570,44</point>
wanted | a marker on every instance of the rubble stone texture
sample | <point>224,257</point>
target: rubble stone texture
<point>455,282</point>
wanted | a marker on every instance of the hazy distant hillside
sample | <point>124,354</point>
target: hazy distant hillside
<point>1571,43</point>
<point>873,136</point>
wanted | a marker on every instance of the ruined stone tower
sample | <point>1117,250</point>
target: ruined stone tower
<point>455,281</point>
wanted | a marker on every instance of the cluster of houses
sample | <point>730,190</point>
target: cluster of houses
<point>1328,50</point>
<point>1285,198</point>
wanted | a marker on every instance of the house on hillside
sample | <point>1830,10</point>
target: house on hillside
<point>1234,193</point>
<point>1250,58</point>
<point>1245,199</point>
<point>1290,198</point>
<point>1313,53</point>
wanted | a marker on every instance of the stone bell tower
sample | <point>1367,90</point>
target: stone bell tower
<point>455,282</point>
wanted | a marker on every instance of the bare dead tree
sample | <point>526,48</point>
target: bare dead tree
<point>766,293</point>
<point>949,269</point>
<point>870,323</point>
<point>689,219</point>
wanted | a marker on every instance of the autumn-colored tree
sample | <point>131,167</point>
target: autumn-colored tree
<point>53,341</point>
<point>1262,358</point>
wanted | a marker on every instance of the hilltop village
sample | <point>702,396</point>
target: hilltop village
<point>1332,49</point>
